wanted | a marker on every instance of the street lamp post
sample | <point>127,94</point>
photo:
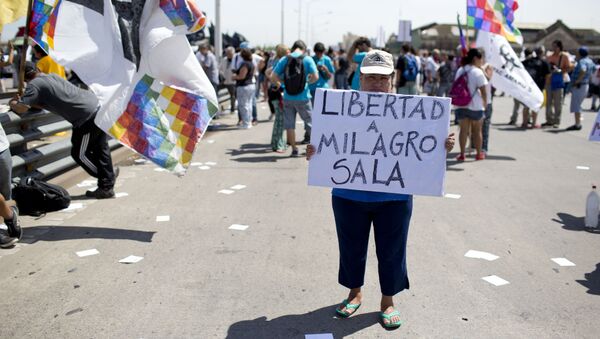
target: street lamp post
<point>218,35</point>
<point>282,23</point>
<point>299,18</point>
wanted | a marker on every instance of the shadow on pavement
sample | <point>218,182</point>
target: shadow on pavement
<point>451,160</point>
<point>298,325</point>
<point>58,233</point>
<point>573,223</point>
<point>592,281</point>
<point>512,129</point>
<point>557,131</point>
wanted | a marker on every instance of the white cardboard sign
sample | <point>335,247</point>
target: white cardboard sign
<point>379,142</point>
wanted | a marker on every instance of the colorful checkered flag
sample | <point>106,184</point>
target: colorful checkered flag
<point>494,16</point>
<point>159,109</point>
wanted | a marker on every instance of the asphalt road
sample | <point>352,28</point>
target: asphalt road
<point>278,278</point>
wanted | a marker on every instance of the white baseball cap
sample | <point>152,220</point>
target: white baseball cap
<point>377,62</point>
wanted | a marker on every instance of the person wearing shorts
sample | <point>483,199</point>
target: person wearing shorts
<point>470,116</point>
<point>296,103</point>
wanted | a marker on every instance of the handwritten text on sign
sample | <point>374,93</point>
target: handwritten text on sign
<point>380,142</point>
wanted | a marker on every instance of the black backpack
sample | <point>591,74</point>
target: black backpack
<point>35,197</point>
<point>294,77</point>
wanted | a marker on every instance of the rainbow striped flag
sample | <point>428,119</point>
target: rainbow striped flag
<point>494,16</point>
<point>162,123</point>
<point>43,22</point>
<point>183,12</point>
<point>159,108</point>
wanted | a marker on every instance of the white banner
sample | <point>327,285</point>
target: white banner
<point>510,75</point>
<point>404,31</point>
<point>379,142</point>
<point>595,134</point>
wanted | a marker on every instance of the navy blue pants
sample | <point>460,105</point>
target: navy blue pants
<point>390,221</point>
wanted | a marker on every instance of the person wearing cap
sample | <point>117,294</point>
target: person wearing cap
<point>354,212</point>
<point>79,107</point>
<point>584,69</point>
<point>296,102</point>
<point>46,64</point>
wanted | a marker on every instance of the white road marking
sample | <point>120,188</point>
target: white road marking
<point>564,262</point>
<point>481,255</point>
<point>237,227</point>
<point>163,218</point>
<point>87,253</point>
<point>132,259</point>
<point>495,280</point>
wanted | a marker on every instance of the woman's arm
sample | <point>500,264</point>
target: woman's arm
<point>242,73</point>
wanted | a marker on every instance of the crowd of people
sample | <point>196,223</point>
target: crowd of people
<point>287,79</point>
<point>263,74</point>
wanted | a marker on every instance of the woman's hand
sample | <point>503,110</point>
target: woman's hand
<point>449,143</point>
<point>310,151</point>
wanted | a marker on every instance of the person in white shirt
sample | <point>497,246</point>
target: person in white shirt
<point>227,73</point>
<point>431,67</point>
<point>209,63</point>
<point>470,117</point>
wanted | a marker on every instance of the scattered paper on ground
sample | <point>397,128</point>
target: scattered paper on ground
<point>226,191</point>
<point>238,187</point>
<point>495,280</point>
<point>452,196</point>
<point>237,227</point>
<point>204,168</point>
<point>210,163</point>
<point>162,218</point>
<point>196,164</point>
<point>73,206</point>
<point>210,141</point>
<point>132,259</point>
<point>481,255</point>
<point>87,253</point>
<point>160,169</point>
<point>563,262</point>
<point>121,195</point>
<point>584,168</point>
<point>140,161</point>
<point>319,336</point>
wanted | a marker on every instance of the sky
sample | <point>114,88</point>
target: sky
<point>260,20</point>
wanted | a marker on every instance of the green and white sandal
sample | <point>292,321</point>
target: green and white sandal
<point>389,317</point>
<point>348,306</point>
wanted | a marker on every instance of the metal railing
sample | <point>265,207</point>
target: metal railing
<point>26,131</point>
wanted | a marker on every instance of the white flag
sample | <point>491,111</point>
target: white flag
<point>510,75</point>
<point>160,109</point>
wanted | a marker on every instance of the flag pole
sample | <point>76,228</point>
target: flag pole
<point>467,30</point>
<point>24,49</point>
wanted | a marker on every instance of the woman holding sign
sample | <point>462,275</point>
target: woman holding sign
<point>390,214</point>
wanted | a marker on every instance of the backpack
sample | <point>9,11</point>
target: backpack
<point>294,77</point>
<point>459,92</point>
<point>412,69</point>
<point>35,197</point>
